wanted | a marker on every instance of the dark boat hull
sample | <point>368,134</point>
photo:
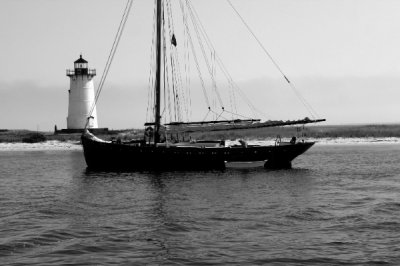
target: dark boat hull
<point>100,155</point>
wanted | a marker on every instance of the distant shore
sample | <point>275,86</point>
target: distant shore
<point>313,132</point>
<point>28,136</point>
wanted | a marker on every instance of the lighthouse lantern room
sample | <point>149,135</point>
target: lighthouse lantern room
<point>81,96</point>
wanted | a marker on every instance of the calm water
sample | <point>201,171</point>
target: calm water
<point>340,205</point>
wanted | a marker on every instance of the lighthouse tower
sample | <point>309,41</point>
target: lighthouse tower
<point>81,96</point>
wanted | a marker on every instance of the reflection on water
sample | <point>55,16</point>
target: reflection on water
<point>340,204</point>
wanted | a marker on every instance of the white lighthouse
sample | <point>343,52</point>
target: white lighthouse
<point>81,96</point>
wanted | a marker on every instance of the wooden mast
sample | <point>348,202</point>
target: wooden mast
<point>157,114</point>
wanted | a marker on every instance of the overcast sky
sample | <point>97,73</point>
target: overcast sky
<point>342,55</point>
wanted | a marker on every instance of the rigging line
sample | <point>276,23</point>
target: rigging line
<point>166,86</point>
<point>253,109</point>
<point>235,86</point>
<point>152,67</point>
<point>196,28</point>
<point>204,119</point>
<point>238,115</point>
<point>175,64</point>
<point>218,115</point>
<point>176,67</point>
<point>177,74</point>
<point>167,97</point>
<point>173,80</point>
<point>214,106</point>
<point>174,112</point>
<point>171,105</point>
<point>307,105</point>
<point>314,114</point>
<point>176,88</point>
<point>222,65</point>
<point>111,56</point>
<point>108,59</point>
<point>187,66</point>
<point>214,73</point>
<point>232,98</point>
<point>170,14</point>
<point>195,57</point>
<point>232,83</point>
<point>114,47</point>
<point>186,57</point>
<point>165,76</point>
<point>175,95</point>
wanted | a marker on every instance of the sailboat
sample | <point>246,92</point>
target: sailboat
<point>166,145</point>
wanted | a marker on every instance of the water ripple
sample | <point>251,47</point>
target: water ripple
<point>338,206</point>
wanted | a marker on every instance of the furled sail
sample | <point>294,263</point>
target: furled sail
<point>237,124</point>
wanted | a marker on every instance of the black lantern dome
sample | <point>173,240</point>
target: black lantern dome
<point>81,63</point>
<point>81,68</point>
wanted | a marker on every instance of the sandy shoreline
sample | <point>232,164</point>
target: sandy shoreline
<point>53,145</point>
